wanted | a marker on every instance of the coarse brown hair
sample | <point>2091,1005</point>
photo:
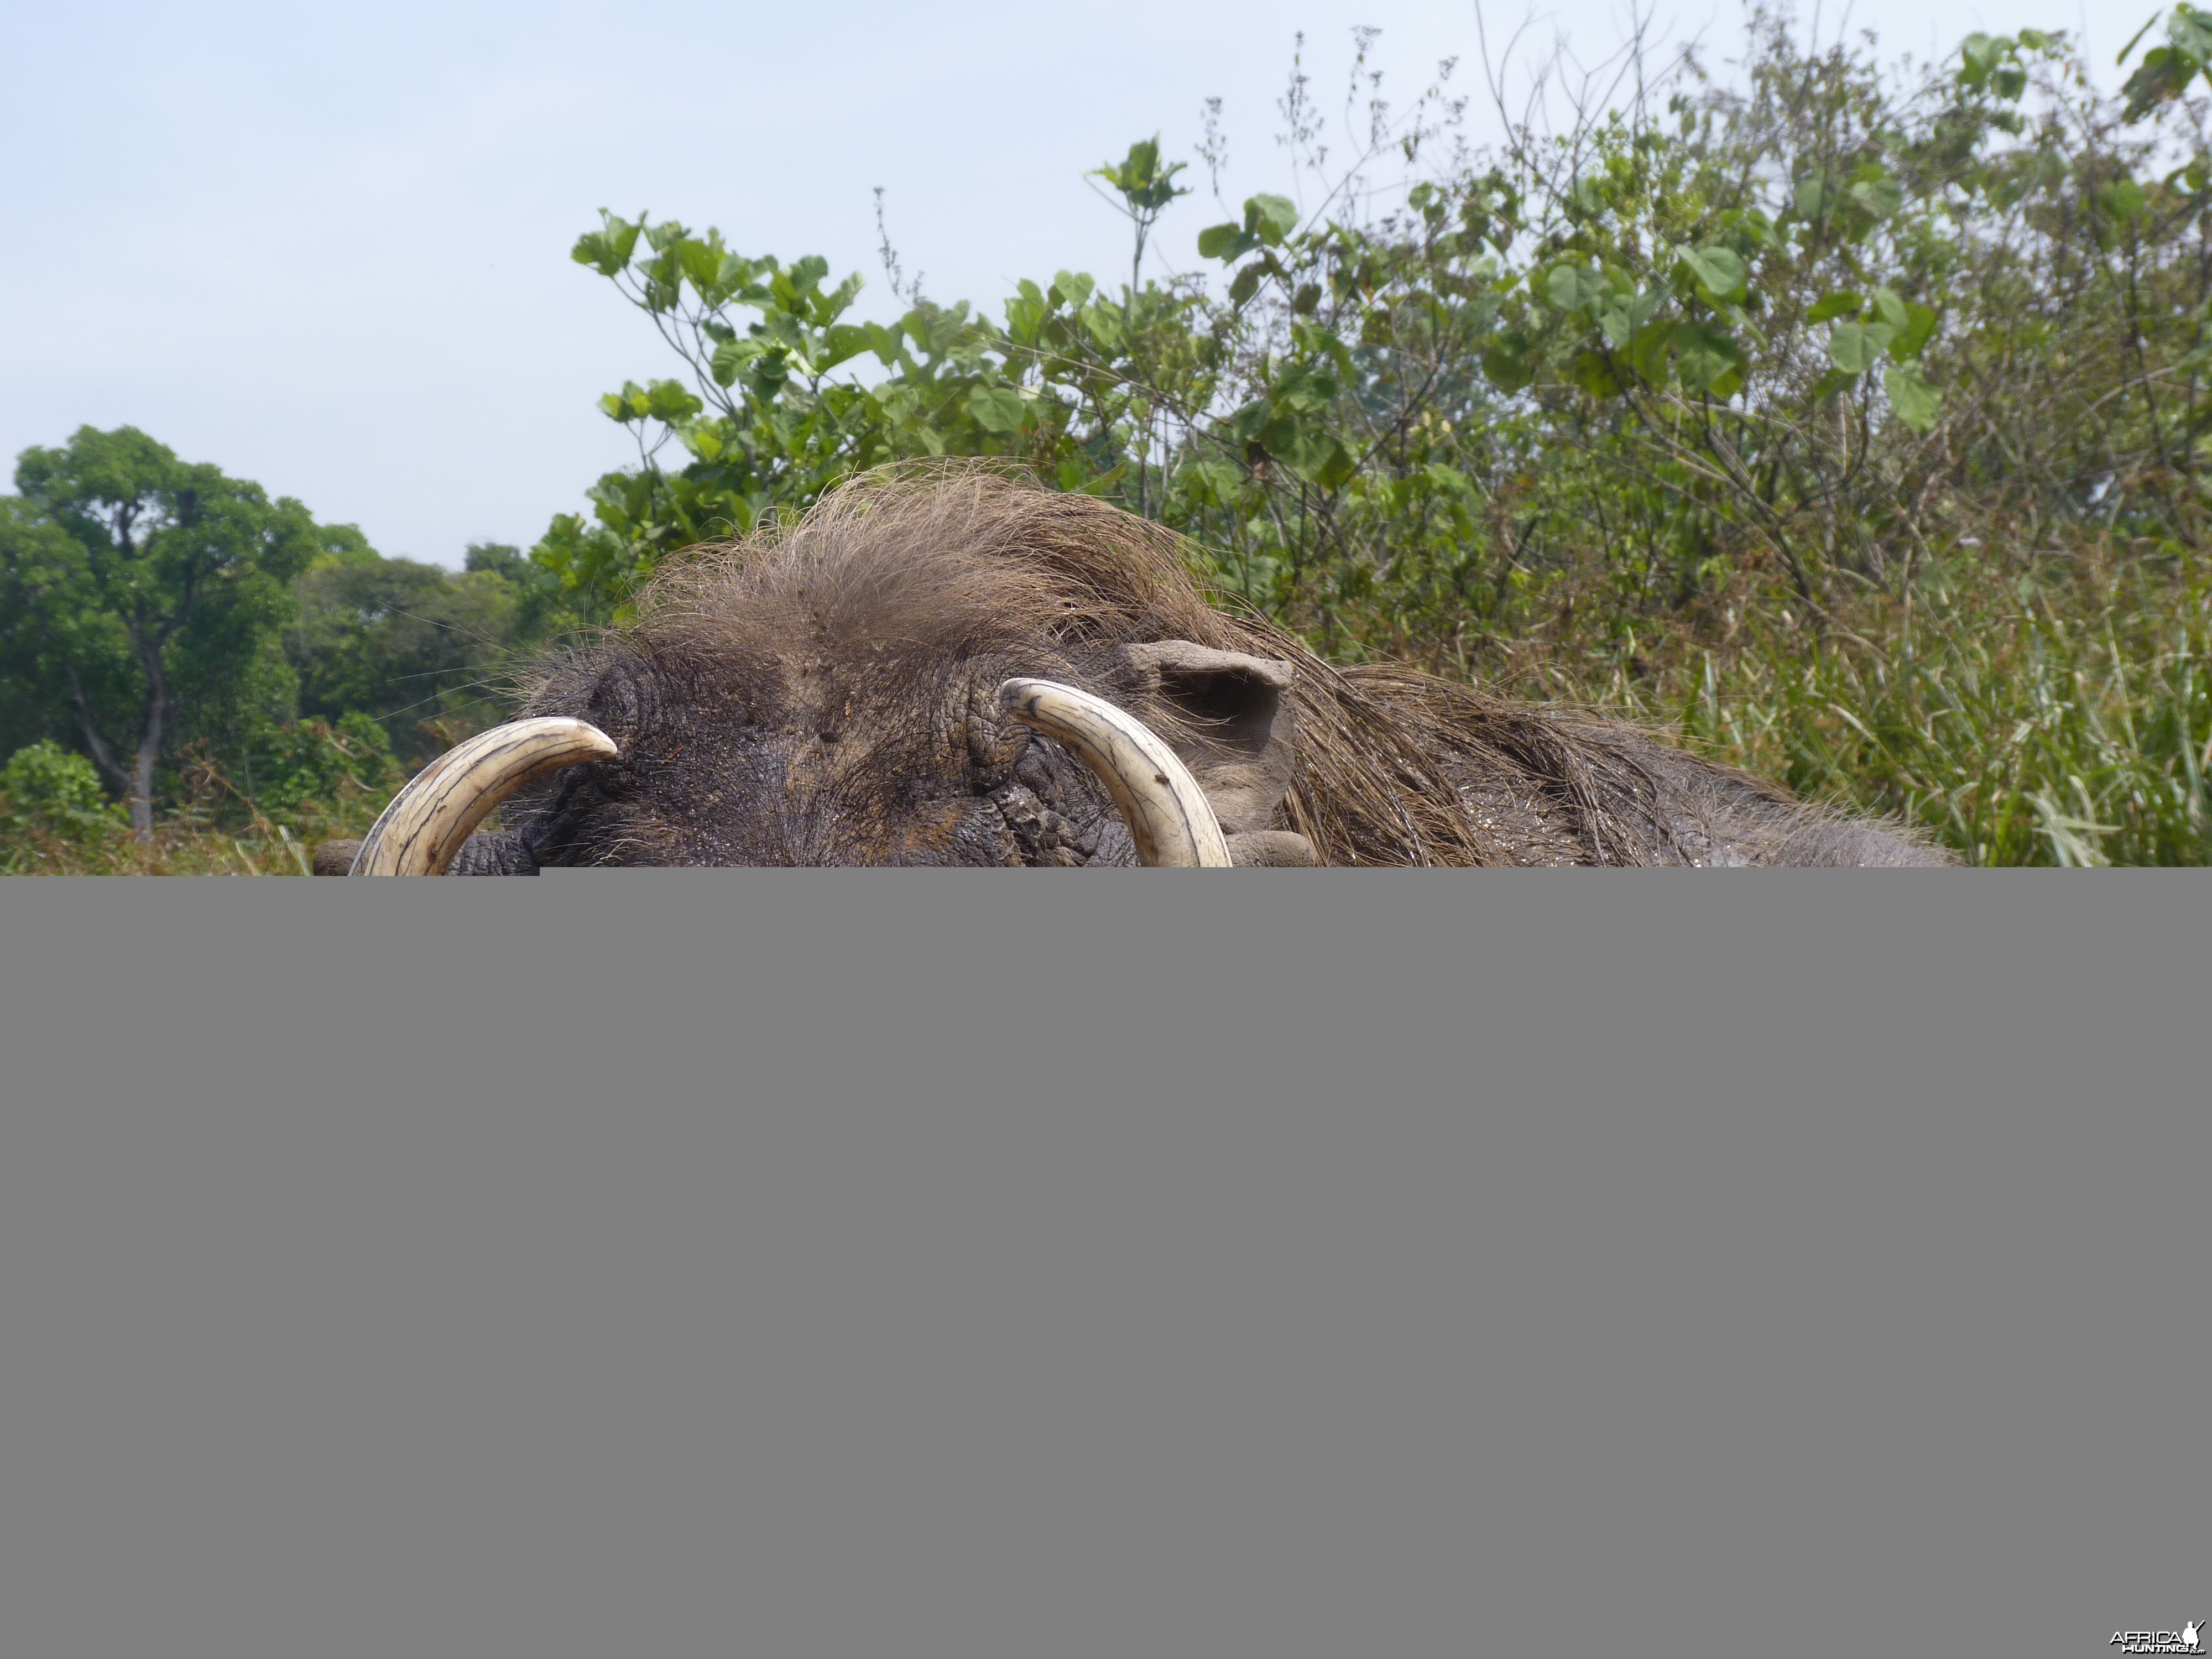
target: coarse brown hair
<point>948,561</point>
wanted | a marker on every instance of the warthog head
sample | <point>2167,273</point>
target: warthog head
<point>953,668</point>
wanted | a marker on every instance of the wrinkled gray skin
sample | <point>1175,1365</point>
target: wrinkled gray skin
<point>907,759</point>
<point>906,764</point>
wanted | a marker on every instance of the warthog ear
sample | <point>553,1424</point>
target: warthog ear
<point>1239,719</point>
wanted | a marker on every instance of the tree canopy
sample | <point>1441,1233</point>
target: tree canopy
<point>183,630</point>
<point>142,586</point>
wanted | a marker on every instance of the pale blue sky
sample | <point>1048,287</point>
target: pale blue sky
<point>326,247</point>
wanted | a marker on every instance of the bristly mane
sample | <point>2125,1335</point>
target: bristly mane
<point>947,560</point>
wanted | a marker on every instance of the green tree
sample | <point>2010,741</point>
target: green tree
<point>539,612</point>
<point>30,712</point>
<point>143,589</point>
<point>405,643</point>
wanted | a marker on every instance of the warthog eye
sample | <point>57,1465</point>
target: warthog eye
<point>625,701</point>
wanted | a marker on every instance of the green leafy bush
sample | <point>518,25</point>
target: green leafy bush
<point>45,783</point>
<point>51,798</point>
<point>1842,377</point>
<point>312,769</point>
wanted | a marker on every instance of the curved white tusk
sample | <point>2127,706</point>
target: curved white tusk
<point>426,821</point>
<point>1167,814</point>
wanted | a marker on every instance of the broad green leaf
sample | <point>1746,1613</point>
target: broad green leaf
<point>1305,390</point>
<point>1216,479</point>
<point>782,328</point>
<point>770,370</point>
<point>607,249</point>
<point>1104,322</point>
<point>1810,198</point>
<point>1314,341</point>
<point>1336,467</point>
<point>1716,270</point>
<point>1024,317</point>
<point>1248,422</point>
<point>826,309</point>
<point>2190,31</point>
<point>669,400</point>
<point>1835,305</point>
<point>1855,347</point>
<point>1889,308</point>
<point>1310,450</point>
<point>996,408</point>
<point>1590,371</point>
<point>701,262</point>
<point>1649,351</point>
<point>735,271</point>
<point>840,342</point>
<point>1708,361</point>
<point>1225,242</point>
<point>2164,74</point>
<point>1505,363</point>
<point>883,342</point>
<point>1272,217</point>
<point>1247,284</point>
<point>1143,182</point>
<point>1915,402</point>
<point>1919,328</point>
<point>1103,484</point>
<point>1073,287</point>
<point>591,250</point>
<point>1880,196</point>
<point>730,359</point>
<point>1980,54</point>
<point>1573,287</point>
<point>1830,383</point>
<point>1623,319</point>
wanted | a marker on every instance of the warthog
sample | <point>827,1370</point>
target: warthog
<point>952,667</point>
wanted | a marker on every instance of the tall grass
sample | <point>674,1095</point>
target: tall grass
<point>2059,715</point>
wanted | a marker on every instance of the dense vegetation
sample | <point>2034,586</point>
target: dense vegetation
<point>1846,416</point>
